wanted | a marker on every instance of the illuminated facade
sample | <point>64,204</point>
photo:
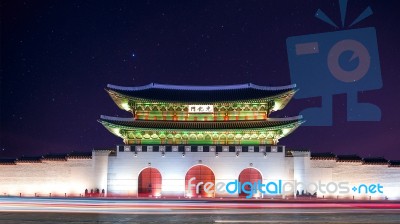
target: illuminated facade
<point>185,141</point>
<point>166,114</point>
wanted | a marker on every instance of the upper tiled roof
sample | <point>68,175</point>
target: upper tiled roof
<point>223,93</point>
<point>271,122</point>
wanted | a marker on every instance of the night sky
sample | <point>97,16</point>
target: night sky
<point>58,56</point>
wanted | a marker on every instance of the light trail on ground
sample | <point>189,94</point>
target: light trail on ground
<point>132,211</point>
<point>117,206</point>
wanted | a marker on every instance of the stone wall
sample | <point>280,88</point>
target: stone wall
<point>57,178</point>
<point>117,173</point>
<point>356,174</point>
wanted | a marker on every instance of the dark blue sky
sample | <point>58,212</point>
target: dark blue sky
<point>58,56</point>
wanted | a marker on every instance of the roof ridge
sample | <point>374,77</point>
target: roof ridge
<point>200,87</point>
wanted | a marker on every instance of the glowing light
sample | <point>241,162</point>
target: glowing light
<point>285,131</point>
<point>116,131</point>
<point>125,106</point>
<point>277,105</point>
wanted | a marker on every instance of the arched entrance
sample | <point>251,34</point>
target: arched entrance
<point>203,174</point>
<point>249,175</point>
<point>149,183</point>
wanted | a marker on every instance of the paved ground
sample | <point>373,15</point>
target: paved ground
<point>42,210</point>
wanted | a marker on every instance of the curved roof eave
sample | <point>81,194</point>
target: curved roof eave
<point>113,122</point>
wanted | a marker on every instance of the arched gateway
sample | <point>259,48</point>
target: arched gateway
<point>149,183</point>
<point>195,175</point>
<point>251,175</point>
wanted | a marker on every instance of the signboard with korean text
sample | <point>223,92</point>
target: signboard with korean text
<point>197,109</point>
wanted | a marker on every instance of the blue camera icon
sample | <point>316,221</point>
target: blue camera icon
<point>325,64</point>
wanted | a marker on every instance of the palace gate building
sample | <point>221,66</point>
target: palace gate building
<point>191,141</point>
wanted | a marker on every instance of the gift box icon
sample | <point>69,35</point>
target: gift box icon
<point>345,61</point>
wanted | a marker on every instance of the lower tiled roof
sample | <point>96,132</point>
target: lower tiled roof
<point>80,155</point>
<point>323,156</point>
<point>55,157</point>
<point>30,159</point>
<point>394,163</point>
<point>375,161</point>
<point>348,158</point>
<point>272,122</point>
<point>7,161</point>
